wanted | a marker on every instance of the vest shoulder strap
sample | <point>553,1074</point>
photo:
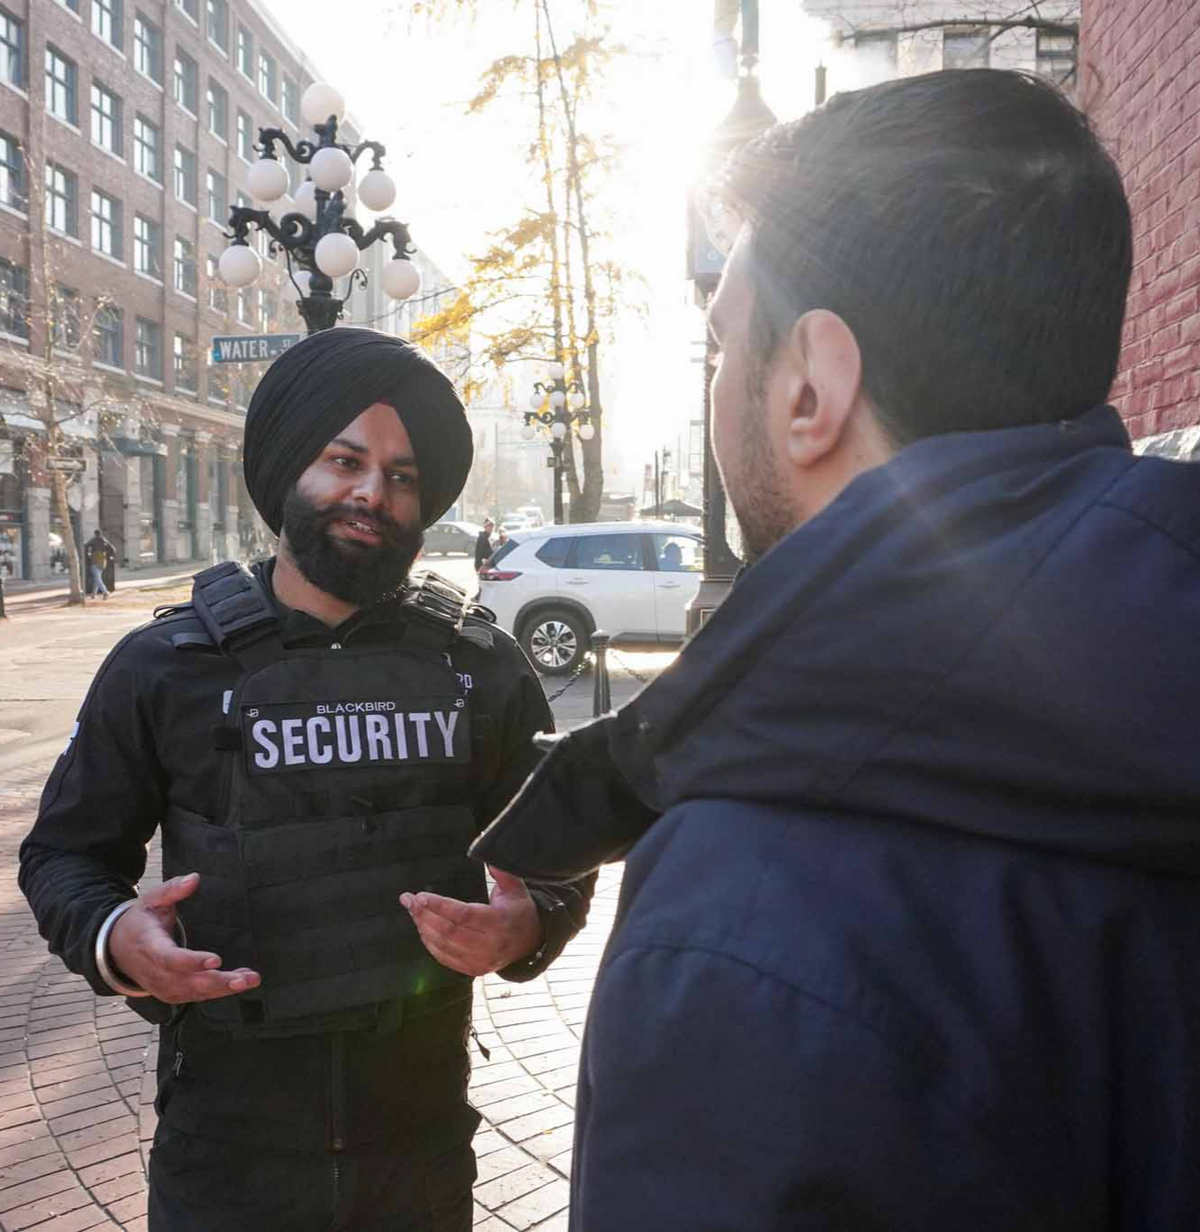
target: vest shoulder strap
<point>233,607</point>
<point>439,609</point>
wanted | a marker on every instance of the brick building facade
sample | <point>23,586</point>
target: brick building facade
<point>126,131</point>
<point>1140,64</point>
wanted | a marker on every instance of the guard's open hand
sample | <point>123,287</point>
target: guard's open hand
<point>142,947</point>
<point>476,938</point>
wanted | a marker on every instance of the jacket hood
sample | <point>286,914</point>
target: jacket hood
<point>993,633</point>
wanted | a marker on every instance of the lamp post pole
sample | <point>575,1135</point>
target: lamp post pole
<point>319,242</point>
<point>748,117</point>
<point>558,405</point>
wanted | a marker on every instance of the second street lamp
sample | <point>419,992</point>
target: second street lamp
<point>319,242</point>
<point>566,406</point>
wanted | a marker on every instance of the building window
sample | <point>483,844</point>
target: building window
<point>245,136</point>
<point>14,299</point>
<point>218,24</point>
<point>61,199</point>
<point>64,314</point>
<point>147,247</point>
<point>106,21</point>
<point>61,78</point>
<point>187,82</point>
<point>218,197</point>
<point>290,100</point>
<point>73,5</point>
<point>966,47</point>
<point>245,306</point>
<point>218,110</point>
<point>185,175</point>
<point>1057,53</point>
<point>881,45</point>
<point>268,85</point>
<point>245,52</point>
<point>218,301</point>
<point>106,118</point>
<point>184,355</point>
<point>185,266</point>
<point>12,49</point>
<point>147,48</point>
<point>219,384</point>
<point>106,225</point>
<point>147,359</point>
<point>190,7</point>
<point>12,172</point>
<point>108,336</point>
<point>147,149</point>
<point>268,310</point>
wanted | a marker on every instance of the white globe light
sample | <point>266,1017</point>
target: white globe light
<point>536,400</point>
<point>320,101</point>
<point>558,399</point>
<point>557,372</point>
<point>306,200</point>
<point>267,179</point>
<point>303,282</point>
<point>377,190</point>
<point>331,168</point>
<point>586,432</point>
<point>239,265</point>
<point>528,433</point>
<point>400,278</point>
<point>558,429</point>
<point>336,254</point>
<point>576,400</point>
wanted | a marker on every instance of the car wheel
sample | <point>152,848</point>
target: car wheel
<point>555,641</point>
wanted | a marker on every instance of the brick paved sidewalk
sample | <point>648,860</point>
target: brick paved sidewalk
<point>76,1071</point>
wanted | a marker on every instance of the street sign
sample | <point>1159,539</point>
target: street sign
<point>251,348</point>
<point>73,466</point>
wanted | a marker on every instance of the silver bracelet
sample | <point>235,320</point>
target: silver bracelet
<point>107,974</point>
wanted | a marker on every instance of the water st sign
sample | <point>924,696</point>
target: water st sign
<point>251,348</point>
<point>73,466</point>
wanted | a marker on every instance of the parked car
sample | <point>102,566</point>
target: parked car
<point>514,522</point>
<point>553,587</point>
<point>532,515</point>
<point>451,538</point>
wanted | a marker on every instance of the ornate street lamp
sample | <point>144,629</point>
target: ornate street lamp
<point>557,404</point>
<point>318,240</point>
<point>748,117</point>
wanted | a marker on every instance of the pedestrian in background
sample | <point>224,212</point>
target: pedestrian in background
<point>483,544</point>
<point>909,931</point>
<point>101,561</point>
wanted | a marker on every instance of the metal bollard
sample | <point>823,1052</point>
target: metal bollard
<point>601,693</point>
<point>2,611</point>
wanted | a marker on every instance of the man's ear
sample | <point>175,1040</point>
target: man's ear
<point>820,382</point>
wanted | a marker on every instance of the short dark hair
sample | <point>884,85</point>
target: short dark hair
<point>967,225</point>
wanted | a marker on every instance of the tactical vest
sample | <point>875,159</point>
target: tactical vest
<point>347,783</point>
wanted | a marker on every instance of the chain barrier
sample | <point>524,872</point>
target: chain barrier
<point>580,668</point>
<point>623,663</point>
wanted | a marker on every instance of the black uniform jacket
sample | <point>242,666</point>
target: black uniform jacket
<point>144,739</point>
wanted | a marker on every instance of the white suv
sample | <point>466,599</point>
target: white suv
<point>553,587</point>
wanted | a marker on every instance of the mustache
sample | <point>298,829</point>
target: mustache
<point>391,530</point>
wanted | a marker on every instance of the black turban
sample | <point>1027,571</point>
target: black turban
<point>314,389</point>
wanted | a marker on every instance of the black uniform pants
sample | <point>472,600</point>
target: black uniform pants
<point>199,1185</point>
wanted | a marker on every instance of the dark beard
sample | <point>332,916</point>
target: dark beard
<point>760,500</point>
<point>357,573</point>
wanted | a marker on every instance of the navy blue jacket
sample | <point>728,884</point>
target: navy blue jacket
<point>909,935</point>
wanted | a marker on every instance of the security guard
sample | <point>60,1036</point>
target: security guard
<point>318,742</point>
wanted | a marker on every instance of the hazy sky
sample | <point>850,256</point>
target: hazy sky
<point>460,176</point>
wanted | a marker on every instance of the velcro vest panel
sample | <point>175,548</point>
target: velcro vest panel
<point>348,783</point>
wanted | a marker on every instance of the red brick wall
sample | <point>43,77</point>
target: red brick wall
<point>1140,76</point>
